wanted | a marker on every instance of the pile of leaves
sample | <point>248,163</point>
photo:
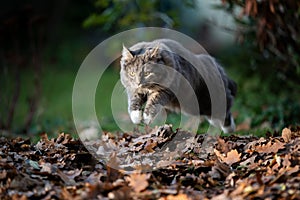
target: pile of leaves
<point>230,167</point>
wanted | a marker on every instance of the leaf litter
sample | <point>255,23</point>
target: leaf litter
<point>161,164</point>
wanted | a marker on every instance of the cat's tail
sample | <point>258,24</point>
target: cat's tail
<point>232,86</point>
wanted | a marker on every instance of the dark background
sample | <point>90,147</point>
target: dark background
<point>44,42</point>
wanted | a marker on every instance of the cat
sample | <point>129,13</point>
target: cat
<point>152,74</point>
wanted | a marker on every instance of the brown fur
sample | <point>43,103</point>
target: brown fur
<point>154,76</point>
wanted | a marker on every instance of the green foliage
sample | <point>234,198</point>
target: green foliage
<point>264,99</point>
<point>271,27</point>
<point>282,113</point>
<point>113,15</point>
<point>267,65</point>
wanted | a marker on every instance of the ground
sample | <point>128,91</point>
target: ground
<point>146,166</point>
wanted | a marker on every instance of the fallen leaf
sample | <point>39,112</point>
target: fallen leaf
<point>286,134</point>
<point>46,167</point>
<point>138,182</point>
<point>3,174</point>
<point>243,167</point>
<point>150,145</point>
<point>122,193</point>
<point>65,194</point>
<point>72,174</point>
<point>231,157</point>
<point>219,170</point>
<point>176,197</point>
<point>270,147</point>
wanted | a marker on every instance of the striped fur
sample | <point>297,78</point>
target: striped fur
<point>154,76</point>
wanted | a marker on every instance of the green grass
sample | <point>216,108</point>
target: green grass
<point>55,103</point>
<point>256,100</point>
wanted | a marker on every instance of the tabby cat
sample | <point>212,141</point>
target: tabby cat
<point>153,74</point>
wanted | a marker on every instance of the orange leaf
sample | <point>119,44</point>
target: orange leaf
<point>272,7</point>
<point>177,197</point>
<point>286,134</point>
<point>254,9</point>
<point>270,147</point>
<point>138,182</point>
<point>248,7</point>
<point>232,156</point>
<point>150,145</point>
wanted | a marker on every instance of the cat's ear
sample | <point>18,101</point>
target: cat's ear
<point>155,51</point>
<point>126,53</point>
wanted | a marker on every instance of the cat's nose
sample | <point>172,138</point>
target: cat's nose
<point>139,83</point>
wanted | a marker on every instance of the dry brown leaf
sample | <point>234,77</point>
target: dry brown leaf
<point>150,145</point>
<point>259,172</point>
<point>176,197</point>
<point>113,161</point>
<point>122,193</point>
<point>222,145</point>
<point>218,154</point>
<point>286,161</point>
<point>272,9</point>
<point>138,182</point>
<point>221,197</point>
<point>65,194</point>
<point>270,147</point>
<point>286,134</point>
<point>46,167</point>
<point>219,170</point>
<point>231,157</point>
<point>238,190</point>
<point>289,170</point>
<point>17,197</point>
<point>248,7</point>
<point>3,174</point>
<point>73,173</point>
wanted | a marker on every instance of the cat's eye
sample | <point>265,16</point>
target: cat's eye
<point>146,73</point>
<point>132,73</point>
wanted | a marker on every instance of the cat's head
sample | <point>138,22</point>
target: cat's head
<point>143,67</point>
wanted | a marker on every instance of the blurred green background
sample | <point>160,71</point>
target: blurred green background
<point>44,42</point>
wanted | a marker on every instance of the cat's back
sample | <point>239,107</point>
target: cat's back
<point>168,45</point>
<point>180,49</point>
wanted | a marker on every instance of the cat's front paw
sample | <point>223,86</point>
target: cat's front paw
<point>136,116</point>
<point>147,118</point>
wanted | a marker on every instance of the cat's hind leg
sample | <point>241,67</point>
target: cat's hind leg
<point>227,127</point>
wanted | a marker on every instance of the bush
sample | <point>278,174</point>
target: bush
<point>272,27</point>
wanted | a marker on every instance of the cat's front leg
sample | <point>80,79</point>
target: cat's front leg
<point>135,108</point>
<point>154,104</point>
